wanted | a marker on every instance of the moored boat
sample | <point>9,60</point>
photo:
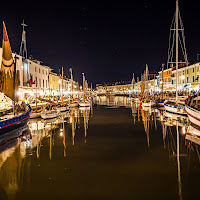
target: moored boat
<point>177,107</point>
<point>84,102</point>
<point>192,108</point>
<point>9,85</point>
<point>50,114</point>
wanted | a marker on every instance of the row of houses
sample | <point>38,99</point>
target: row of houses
<point>188,80</point>
<point>33,75</point>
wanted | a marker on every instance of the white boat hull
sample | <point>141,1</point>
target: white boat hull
<point>175,109</point>
<point>148,104</point>
<point>84,104</point>
<point>35,115</point>
<point>193,115</point>
<point>47,115</point>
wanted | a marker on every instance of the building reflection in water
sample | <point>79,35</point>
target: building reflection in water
<point>114,101</point>
<point>16,155</point>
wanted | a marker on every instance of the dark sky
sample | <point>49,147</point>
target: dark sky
<point>108,40</point>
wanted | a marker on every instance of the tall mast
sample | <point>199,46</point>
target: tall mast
<point>71,82</point>
<point>36,92</point>
<point>147,79</point>
<point>83,86</point>
<point>177,10</point>
<point>14,88</point>
<point>62,86</point>
<point>162,79</point>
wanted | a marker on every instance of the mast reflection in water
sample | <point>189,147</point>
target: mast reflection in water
<point>113,150</point>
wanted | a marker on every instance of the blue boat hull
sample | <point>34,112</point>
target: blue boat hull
<point>15,122</point>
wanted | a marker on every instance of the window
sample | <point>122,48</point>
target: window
<point>193,70</point>
<point>39,70</point>
<point>187,71</point>
<point>46,84</point>
<point>193,79</point>
<point>35,69</point>
<point>187,79</point>
<point>43,71</point>
<point>40,82</point>
<point>197,68</point>
<point>172,82</point>
<point>43,83</point>
<point>183,73</point>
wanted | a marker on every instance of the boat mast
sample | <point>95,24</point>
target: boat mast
<point>14,91</point>
<point>71,82</point>
<point>146,79</point>
<point>62,87</point>
<point>177,10</point>
<point>83,86</point>
<point>162,79</point>
<point>36,93</point>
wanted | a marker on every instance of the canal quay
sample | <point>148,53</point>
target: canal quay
<point>112,150</point>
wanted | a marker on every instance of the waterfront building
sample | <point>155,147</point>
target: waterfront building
<point>54,83</point>
<point>188,77</point>
<point>165,78</point>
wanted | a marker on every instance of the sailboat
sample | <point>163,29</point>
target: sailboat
<point>160,101</point>
<point>192,108</point>
<point>176,106</point>
<point>36,113</point>
<point>72,103</point>
<point>62,107</point>
<point>147,101</point>
<point>84,102</point>
<point>8,85</point>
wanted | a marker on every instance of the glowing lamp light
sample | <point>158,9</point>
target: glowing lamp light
<point>41,92</point>
<point>59,81</point>
<point>19,93</point>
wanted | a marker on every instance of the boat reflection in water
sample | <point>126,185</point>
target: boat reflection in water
<point>33,140</point>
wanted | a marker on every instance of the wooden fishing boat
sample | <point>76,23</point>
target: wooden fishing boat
<point>50,114</point>
<point>9,86</point>
<point>177,107</point>
<point>84,102</point>
<point>193,109</point>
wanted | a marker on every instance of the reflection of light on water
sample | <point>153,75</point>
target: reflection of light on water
<point>183,129</point>
<point>37,126</point>
<point>70,120</point>
<point>61,132</point>
<point>27,144</point>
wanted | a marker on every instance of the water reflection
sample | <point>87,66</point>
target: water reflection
<point>46,142</point>
<point>27,142</point>
<point>114,101</point>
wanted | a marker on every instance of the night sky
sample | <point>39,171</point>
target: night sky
<point>108,40</point>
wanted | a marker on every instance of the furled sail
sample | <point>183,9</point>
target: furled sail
<point>8,74</point>
<point>142,87</point>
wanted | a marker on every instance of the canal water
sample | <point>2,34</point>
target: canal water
<point>115,150</point>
